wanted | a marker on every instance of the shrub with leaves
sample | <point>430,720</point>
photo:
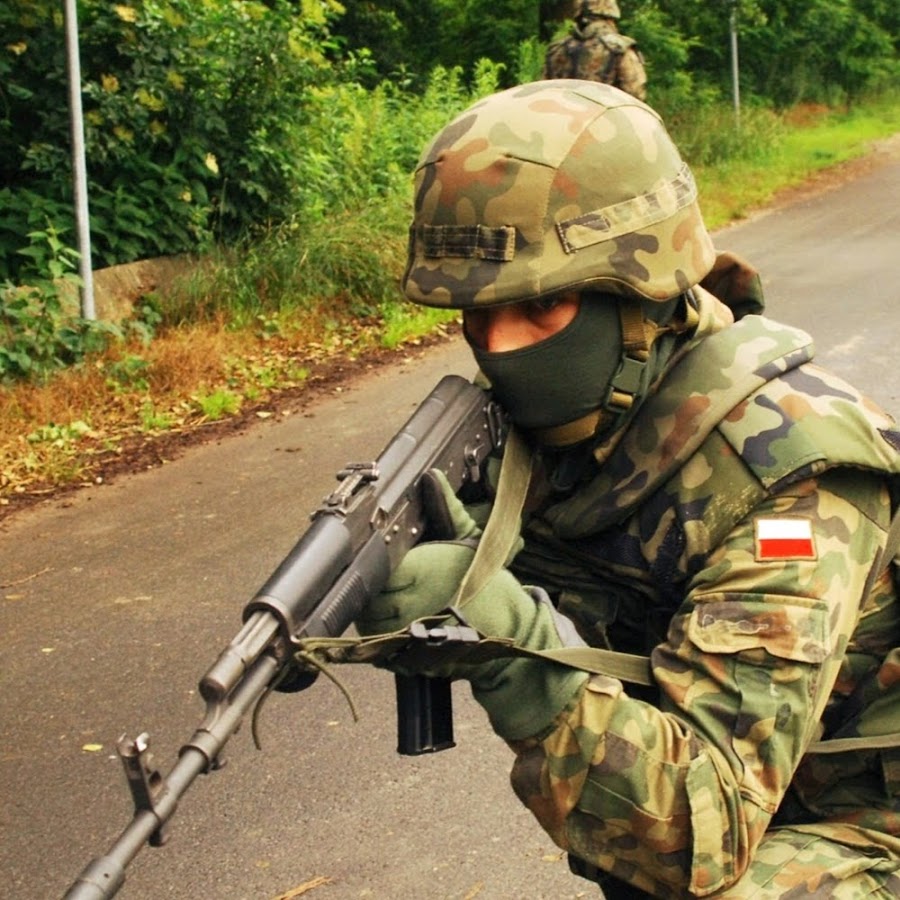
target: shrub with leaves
<point>190,113</point>
<point>344,246</point>
<point>38,333</point>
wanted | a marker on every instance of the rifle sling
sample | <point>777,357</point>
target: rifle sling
<point>493,551</point>
<point>505,522</point>
<point>495,548</point>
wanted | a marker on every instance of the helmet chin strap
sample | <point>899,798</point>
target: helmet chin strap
<point>629,382</point>
<point>573,432</point>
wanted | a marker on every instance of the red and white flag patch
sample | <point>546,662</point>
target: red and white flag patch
<point>784,539</point>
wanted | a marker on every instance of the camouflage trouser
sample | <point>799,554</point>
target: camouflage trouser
<point>802,863</point>
<point>817,862</point>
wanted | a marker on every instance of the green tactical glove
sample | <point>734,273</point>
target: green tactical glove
<point>521,696</point>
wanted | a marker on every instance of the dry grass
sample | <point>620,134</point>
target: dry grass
<point>97,416</point>
<point>191,357</point>
<point>61,433</point>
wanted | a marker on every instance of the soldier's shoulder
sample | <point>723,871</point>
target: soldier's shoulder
<point>559,44</point>
<point>618,42</point>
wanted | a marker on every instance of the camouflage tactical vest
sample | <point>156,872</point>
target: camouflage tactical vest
<point>694,463</point>
<point>590,53</point>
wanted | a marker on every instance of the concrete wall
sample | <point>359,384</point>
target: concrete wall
<point>118,288</point>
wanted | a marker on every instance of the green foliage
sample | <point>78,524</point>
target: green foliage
<point>191,114</point>
<point>59,435</point>
<point>218,404</point>
<point>38,333</point>
<point>397,35</point>
<point>408,38</point>
<point>709,134</point>
<point>473,30</point>
<point>347,239</point>
<point>360,146</point>
<point>789,52</point>
<point>666,51</point>
<point>26,211</point>
<point>403,322</point>
<point>350,258</point>
<point>529,60</point>
<point>813,50</point>
<point>277,137</point>
<point>153,419</point>
<point>128,374</point>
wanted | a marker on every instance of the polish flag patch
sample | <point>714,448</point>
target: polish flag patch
<point>784,539</point>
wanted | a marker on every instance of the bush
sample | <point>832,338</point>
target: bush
<point>38,333</point>
<point>191,113</point>
<point>350,191</point>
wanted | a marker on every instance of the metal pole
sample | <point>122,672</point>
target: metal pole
<point>79,169</point>
<point>735,74</point>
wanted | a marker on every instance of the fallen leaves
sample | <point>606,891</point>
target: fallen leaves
<point>302,889</point>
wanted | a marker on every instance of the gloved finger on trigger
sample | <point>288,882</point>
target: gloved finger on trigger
<point>446,518</point>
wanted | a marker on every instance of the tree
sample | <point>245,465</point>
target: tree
<point>822,50</point>
<point>399,37</point>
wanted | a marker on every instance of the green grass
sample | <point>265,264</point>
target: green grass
<point>733,188</point>
<point>404,322</point>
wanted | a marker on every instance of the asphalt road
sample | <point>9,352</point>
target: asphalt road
<point>114,601</point>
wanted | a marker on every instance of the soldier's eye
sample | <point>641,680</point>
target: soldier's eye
<point>541,306</point>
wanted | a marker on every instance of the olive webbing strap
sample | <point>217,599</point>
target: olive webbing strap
<point>495,546</point>
<point>624,666</point>
<point>863,742</point>
<point>505,522</point>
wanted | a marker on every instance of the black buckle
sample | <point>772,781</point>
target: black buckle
<point>431,645</point>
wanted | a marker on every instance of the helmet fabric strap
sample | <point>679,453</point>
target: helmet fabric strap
<point>637,336</point>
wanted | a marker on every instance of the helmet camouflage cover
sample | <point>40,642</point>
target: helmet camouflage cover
<point>606,8</point>
<point>554,186</point>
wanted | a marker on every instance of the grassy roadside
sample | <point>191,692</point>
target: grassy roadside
<point>815,140</point>
<point>135,405</point>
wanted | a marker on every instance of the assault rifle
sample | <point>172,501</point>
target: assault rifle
<point>358,535</point>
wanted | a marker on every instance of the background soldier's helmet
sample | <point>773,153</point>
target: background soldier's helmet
<point>604,8</point>
<point>554,186</point>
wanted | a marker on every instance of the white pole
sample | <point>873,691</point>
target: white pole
<point>735,73</point>
<point>79,169</point>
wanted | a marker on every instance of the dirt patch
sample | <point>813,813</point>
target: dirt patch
<point>805,114</point>
<point>140,452</point>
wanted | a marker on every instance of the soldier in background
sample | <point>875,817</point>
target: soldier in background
<point>701,496</point>
<point>595,51</point>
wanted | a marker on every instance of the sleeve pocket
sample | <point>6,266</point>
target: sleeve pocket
<point>793,631</point>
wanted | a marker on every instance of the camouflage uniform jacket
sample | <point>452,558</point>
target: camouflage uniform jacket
<point>757,649</point>
<point>597,52</point>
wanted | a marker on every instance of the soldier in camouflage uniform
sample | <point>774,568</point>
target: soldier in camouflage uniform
<point>701,493</point>
<point>595,51</point>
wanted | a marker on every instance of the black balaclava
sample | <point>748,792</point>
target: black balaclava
<point>562,377</point>
<point>569,375</point>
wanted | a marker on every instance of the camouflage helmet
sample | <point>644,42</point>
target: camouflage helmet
<point>553,186</point>
<point>605,9</point>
